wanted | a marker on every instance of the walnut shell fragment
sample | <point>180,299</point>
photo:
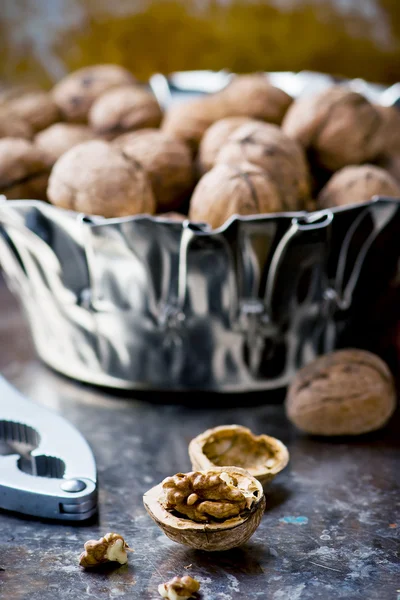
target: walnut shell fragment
<point>214,138</point>
<point>60,137</point>
<point>110,548</point>
<point>229,190</point>
<point>262,456</point>
<point>179,588</point>
<point>347,392</point>
<point>76,92</point>
<point>96,178</point>
<point>354,185</point>
<point>36,108</point>
<point>124,109</point>
<point>211,510</point>
<point>167,162</point>
<point>337,126</point>
<point>23,172</point>
<point>268,147</point>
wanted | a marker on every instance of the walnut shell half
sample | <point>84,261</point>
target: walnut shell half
<point>208,488</point>
<point>233,445</point>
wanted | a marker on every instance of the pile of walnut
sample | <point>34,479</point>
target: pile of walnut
<point>99,143</point>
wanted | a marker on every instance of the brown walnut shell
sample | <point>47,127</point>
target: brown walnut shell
<point>337,126</point>
<point>36,108</point>
<point>167,162</point>
<point>228,190</point>
<point>347,392</point>
<point>23,171</point>
<point>214,138</point>
<point>262,456</point>
<point>76,92</point>
<point>354,185</point>
<point>96,178</point>
<point>213,536</point>
<point>124,109</point>
<point>253,96</point>
<point>60,137</point>
<point>268,147</point>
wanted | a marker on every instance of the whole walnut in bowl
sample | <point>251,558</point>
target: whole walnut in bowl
<point>214,138</point>
<point>36,108</point>
<point>253,96</point>
<point>96,178</point>
<point>123,109</point>
<point>354,185</point>
<point>389,130</point>
<point>167,162</point>
<point>347,392</point>
<point>13,126</point>
<point>60,137</point>
<point>23,172</point>
<point>229,190</point>
<point>337,126</point>
<point>268,147</point>
<point>76,92</point>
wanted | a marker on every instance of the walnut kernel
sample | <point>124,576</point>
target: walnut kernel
<point>110,548</point>
<point>179,588</point>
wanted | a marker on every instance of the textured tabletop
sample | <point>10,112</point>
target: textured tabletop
<point>331,528</point>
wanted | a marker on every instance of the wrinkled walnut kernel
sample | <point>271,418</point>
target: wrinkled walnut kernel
<point>179,588</point>
<point>110,548</point>
<point>203,497</point>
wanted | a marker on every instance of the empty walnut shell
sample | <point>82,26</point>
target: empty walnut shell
<point>268,147</point>
<point>253,96</point>
<point>354,185</point>
<point>233,445</point>
<point>75,93</point>
<point>214,138</point>
<point>60,137</point>
<point>96,178</point>
<point>167,162</point>
<point>23,172</point>
<point>347,392</point>
<point>124,109</point>
<point>337,126</point>
<point>36,108</point>
<point>215,535</point>
<point>229,190</point>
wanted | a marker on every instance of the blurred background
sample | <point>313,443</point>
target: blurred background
<point>41,40</point>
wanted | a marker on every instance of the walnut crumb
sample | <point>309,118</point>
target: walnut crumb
<point>110,548</point>
<point>179,588</point>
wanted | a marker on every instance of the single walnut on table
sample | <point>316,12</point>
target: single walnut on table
<point>179,588</point>
<point>110,548</point>
<point>213,510</point>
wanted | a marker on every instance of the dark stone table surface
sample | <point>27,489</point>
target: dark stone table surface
<point>345,545</point>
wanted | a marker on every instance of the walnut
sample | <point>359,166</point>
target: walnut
<point>268,147</point>
<point>229,190</point>
<point>167,162</point>
<point>13,126</point>
<point>353,185</point>
<point>228,445</point>
<point>36,108</point>
<point>75,93</point>
<point>123,109</point>
<point>253,96</point>
<point>213,510</point>
<point>214,138</point>
<point>337,126</point>
<point>179,588</point>
<point>23,172</point>
<point>110,548</point>
<point>391,164</point>
<point>389,130</point>
<point>347,392</point>
<point>60,137</point>
<point>96,178</point>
